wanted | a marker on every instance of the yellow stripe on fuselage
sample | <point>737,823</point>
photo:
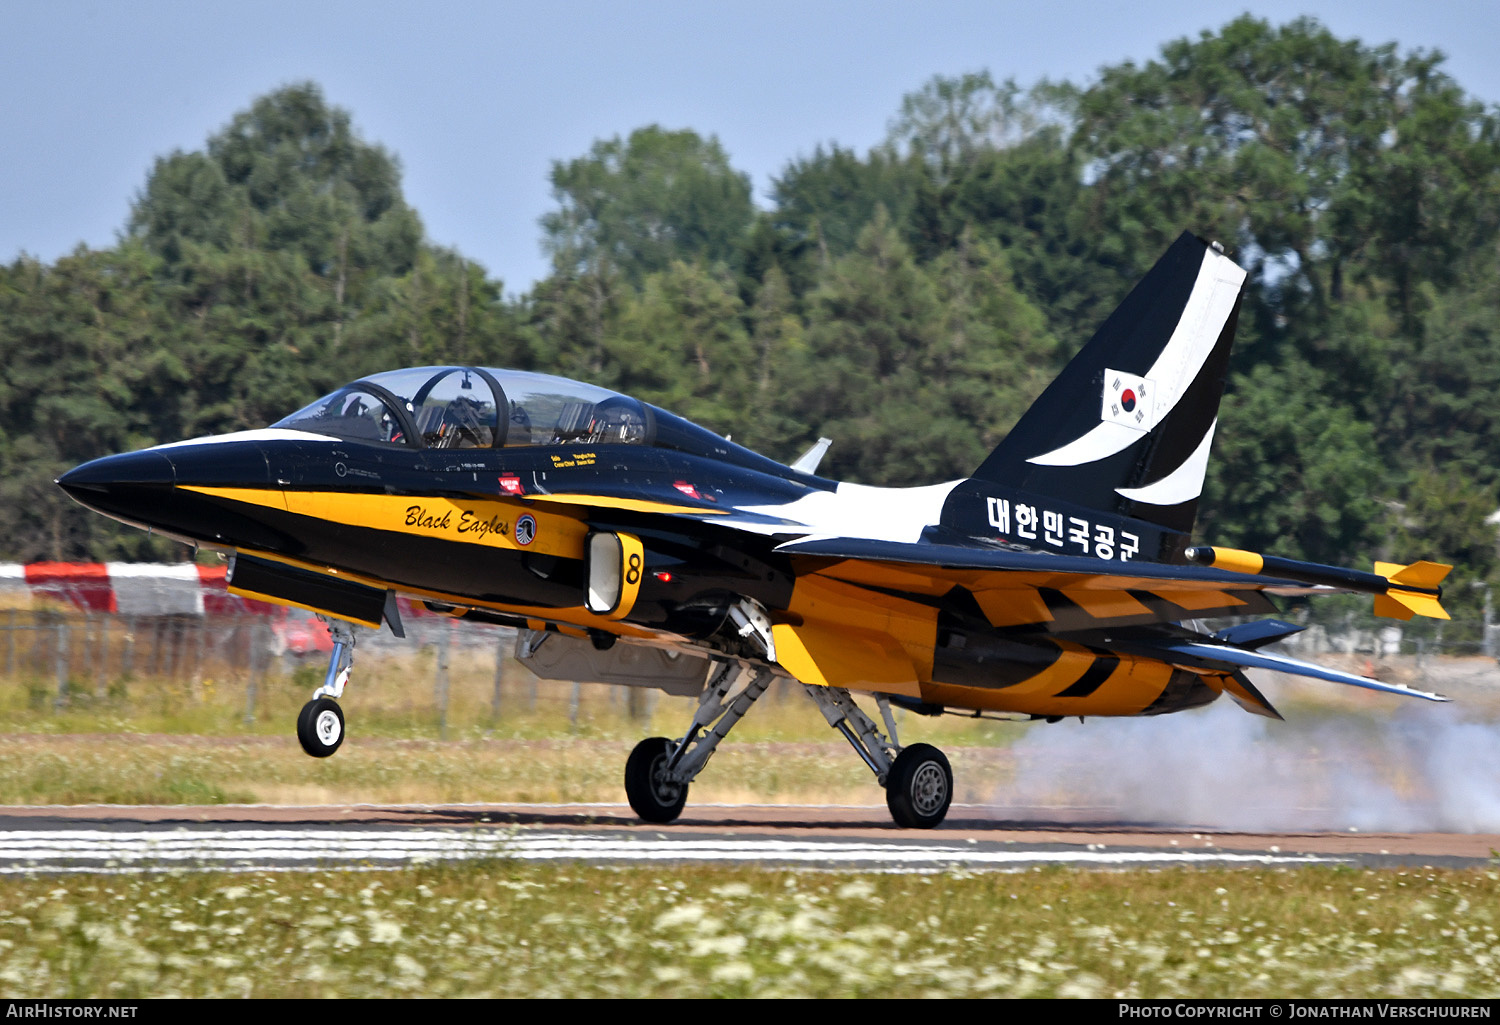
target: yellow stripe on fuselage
<point>478,521</point>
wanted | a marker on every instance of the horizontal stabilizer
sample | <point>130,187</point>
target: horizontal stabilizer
<point>1400,591</point>
<point>1221,656</point>
<point>1414,590</point>
<point>1403,605</point>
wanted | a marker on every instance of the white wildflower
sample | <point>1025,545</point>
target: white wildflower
<point>733,971</point>
<point>62,918</point>
<point>383,930</point>
<point>409,967</point>
<point>682,914</point>
<point>709,946</point>
<point>1081,987</point>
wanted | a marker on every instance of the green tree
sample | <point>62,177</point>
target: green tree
<point>950,121</point>
<point>681,343</point>
<point>825,201</point>
<point>1318,158</point>
<point>916,373</point>
<point>1445,377</point>
<point>1445,518</point>
<point>75,356</point>
<point>641,203</point>
<point>1292,473</point>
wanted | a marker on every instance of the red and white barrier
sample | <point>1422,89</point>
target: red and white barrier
<point>141,589</point>
<point>131,588</point>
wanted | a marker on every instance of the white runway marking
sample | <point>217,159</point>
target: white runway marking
<point>84,850</point>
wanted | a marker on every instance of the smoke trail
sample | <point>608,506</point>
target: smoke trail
<point>1417,768</point>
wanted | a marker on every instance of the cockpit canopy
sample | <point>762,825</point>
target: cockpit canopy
<point>461,407</point>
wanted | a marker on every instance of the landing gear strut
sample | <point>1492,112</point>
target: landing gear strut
<point>659,770</point>
<point>918,780</point>
<point>320,726</point>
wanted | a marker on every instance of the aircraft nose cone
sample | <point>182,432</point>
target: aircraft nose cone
<point>98,476</point>
<point>121,486</point>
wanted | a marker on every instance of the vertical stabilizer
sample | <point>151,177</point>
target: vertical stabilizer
<point>1127,426</point>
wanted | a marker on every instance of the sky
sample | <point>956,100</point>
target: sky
<point>477,100</point>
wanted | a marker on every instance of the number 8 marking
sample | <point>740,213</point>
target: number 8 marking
<point>633,573</point>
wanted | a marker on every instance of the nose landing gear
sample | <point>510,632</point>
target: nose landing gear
<point>320,726</point>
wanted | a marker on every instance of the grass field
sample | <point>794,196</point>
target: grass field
<point>515,929</point>
<point>156,769</point>
<point>506,929</point>
<point>176,741</point>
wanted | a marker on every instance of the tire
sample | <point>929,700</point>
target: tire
<point>920,787</point>
<point>653,799</point>
<point>320,727</point>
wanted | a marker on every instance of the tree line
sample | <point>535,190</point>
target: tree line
<point>908,302</point>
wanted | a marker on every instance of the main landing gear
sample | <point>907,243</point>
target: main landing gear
<point>659,770</point>
<point>918,780</point>
<point>320,726</point>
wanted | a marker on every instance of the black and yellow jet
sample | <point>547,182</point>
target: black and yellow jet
<point>1056,581</point>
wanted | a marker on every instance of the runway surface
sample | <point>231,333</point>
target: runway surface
<point>153,838</point>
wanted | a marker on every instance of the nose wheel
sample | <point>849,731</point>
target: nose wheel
<point>320,727</point>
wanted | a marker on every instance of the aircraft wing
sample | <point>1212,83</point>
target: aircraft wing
<point>1198,589</point>
<point>1063,595</point>
<point>1056,593</point>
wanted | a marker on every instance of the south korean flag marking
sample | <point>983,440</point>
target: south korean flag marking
<point>1129,401</point>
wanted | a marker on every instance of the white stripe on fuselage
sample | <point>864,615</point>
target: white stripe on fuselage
<point>857,510</point>
<point>260,434</point>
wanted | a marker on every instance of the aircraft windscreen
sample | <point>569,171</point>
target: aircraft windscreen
<point>352,413</point>
<point>459,407</point>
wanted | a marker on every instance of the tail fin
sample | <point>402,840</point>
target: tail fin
<point>1126,427</point>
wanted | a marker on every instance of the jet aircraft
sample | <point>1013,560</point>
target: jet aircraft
<point>1059,580</point>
